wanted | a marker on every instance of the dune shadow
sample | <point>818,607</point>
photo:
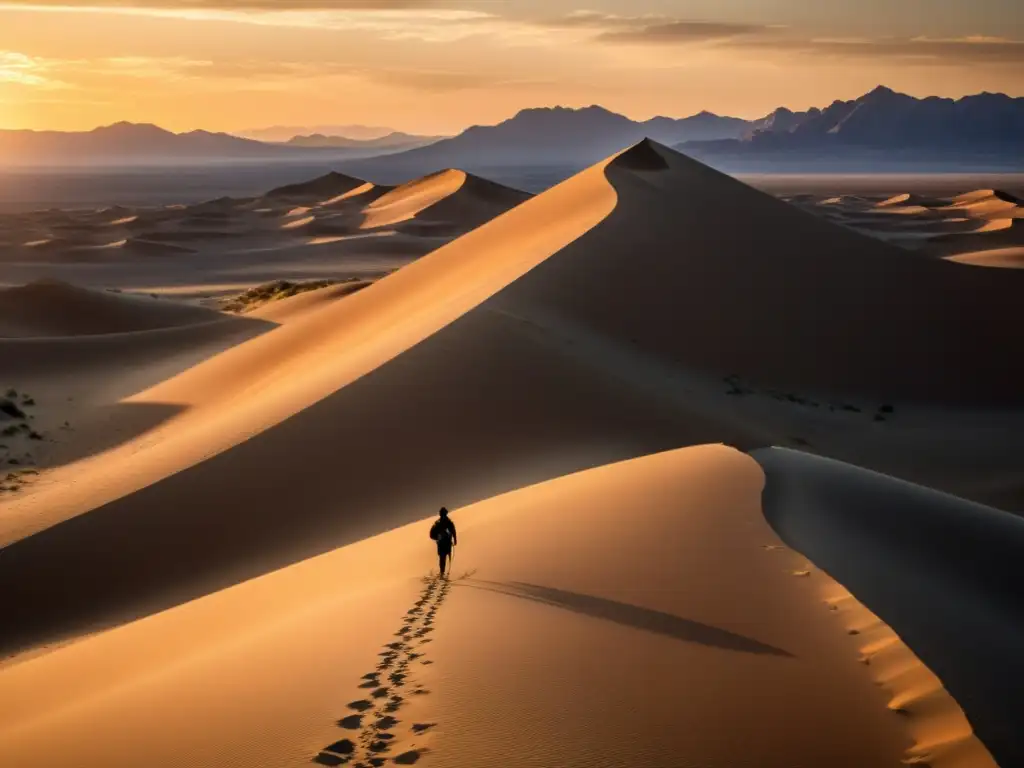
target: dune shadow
<point>155,355</point>
<point>116,424</point>
<point>634,616</point>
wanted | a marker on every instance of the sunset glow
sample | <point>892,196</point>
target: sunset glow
<point>434,67</point>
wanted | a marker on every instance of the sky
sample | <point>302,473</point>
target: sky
<point>438,66</point>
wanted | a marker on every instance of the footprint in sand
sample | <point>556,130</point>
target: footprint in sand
<point>409,758</point>
<point>338,753</point>
<point>371,742</point>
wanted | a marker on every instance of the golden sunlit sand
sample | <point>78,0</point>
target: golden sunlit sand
<point>223,558</point>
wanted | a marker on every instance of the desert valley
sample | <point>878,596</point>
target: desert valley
<point>363,404</point>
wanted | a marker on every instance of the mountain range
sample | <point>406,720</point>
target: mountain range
<point>396,140</point>
<point>133,143</point>
<point>284,133</point>
<point>885,119</point>
<point>876,131</point>
<point>879,130</point>
<point>549,136</point>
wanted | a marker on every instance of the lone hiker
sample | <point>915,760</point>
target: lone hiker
<point>443,532</point>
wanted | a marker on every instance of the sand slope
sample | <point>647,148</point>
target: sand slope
<point>1012,257</point>
<point>730,660</point>
<point>463,395</point>
<point>561,335</point>
<point>54,308</point>
<point>940,570</point>
<point>443,199</point>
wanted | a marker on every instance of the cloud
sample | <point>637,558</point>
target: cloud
<point>651,29</point>
<point>675,32</point>
<point>21,69</point>
<point>917,50</point>
<point>656,30</point>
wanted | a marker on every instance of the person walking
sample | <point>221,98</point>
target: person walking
<point>443,532</point>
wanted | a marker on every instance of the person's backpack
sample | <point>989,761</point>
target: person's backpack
<point>440,532</point>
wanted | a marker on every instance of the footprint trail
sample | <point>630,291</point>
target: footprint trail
<point>375,735</point>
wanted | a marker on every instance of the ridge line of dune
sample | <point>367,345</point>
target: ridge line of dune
<point>942,735</point>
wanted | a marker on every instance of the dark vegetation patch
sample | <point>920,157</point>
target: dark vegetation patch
<point>283,289</point>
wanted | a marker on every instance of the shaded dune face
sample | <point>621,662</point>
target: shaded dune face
<point>328,186</point>
<point>55,308</point>
<point>505,358</point>
<point>941,571</point>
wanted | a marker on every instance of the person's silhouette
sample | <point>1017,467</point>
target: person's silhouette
<point>443,532</point>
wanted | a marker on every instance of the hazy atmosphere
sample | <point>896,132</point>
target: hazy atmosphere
<point>437,66</point>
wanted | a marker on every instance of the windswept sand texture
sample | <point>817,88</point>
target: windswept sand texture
<point>241,539</point>
<point>984,227</point>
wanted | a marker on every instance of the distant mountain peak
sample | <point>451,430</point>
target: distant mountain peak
<point>884,93</point>
<point>125,127</point>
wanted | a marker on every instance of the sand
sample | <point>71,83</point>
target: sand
<point>330,227</point>
<point>55,308</point>
<point>975,227</point>
<point>944,577</point>
<point>259,508</point>
<point>526,647</point>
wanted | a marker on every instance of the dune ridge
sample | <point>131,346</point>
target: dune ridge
<point>943,576</point>
<point>617,587</point>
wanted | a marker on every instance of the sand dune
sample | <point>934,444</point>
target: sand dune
<point>908,200</point>
<point>325,187</point>
<point>995,233</point>
<point>530,641</point>
<point>943,575</point>
<point>618,315</point>
<point>1012,257</point>
<point>450,197</point>
<point>313,230</point>
<point>562,269</point>
<point>292,308</point>
<point>54,308</point>
<point>962,224</point>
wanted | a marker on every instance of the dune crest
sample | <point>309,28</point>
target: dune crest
<point>941,572</point>
<point>444,197</point>
<point>754,651</point>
